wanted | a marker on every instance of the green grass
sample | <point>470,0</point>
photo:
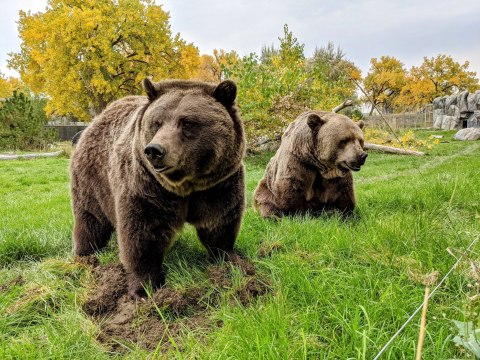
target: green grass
<point>338,289</point>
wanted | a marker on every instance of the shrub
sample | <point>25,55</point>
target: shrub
<point>22,123</point>
<point>406,140</point>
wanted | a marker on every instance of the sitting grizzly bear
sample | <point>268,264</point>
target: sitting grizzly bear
<point>146,165</point>
<point>311,171</point>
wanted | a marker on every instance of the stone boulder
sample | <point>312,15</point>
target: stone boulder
<point>473,101</point>
<point>451,105</point>
<point>451,119</point>
<point>462,101</point>
<point>468,134</point>
<point>473,121</point>
<point>438,111</point>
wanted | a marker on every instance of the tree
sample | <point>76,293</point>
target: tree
<point>436,76</point>
<point>384,81</point>
<point>274,91</point>
<point>282,83</point>
<point>207,71</point>
<point>8,86</point>
<point>84,54</point>
<point>332,76</point>
<point>268,53</point>
<point>22,121</point>
<point>212,68</point>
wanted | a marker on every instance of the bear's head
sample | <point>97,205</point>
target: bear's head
<point>337,143</point>
<point>190,134</point>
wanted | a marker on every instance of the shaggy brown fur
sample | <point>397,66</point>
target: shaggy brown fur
<point>311,171</point>
<point>147,165</point>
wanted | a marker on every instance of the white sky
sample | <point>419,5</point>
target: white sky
<point>406,29</point>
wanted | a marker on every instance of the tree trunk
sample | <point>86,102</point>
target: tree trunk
<point>342,106</point>
<point>392,150</point>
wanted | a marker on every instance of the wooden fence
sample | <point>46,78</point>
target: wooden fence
<point>422,119</point>
<point>66,132</point>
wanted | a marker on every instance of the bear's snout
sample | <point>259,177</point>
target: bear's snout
<point>362,158</point>
<point>155,154</point>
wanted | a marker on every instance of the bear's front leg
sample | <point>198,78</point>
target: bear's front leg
<point>220,239</point>
<point>334,195</point>
<point>145,232</point>
<point>290,198</point>
<point>217,214</point>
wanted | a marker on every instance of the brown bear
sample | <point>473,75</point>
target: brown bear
<point>148,164</point>
<point>311,171</point>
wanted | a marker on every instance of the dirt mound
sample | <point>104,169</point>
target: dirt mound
<point>252,289</point>
<point>90,260</point>
<point>111,284</point>
<point>168,312</point>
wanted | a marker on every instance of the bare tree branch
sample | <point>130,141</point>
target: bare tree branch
<point>342,106</point>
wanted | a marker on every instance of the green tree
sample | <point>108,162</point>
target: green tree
<point>282,83</point>
<point>274,91</point>
<point>331,75</point>
<point>84,54</point>
<point>22,123</point>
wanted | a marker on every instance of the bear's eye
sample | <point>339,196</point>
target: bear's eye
<point>156,125</point>
<point>188,124</point>
<point>344,142</point>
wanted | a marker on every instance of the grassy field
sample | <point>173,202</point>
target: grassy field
<point>331,289</point>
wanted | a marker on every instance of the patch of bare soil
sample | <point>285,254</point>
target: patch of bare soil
<point>168,312</point>
<point>252,289</point>
<point>90,260</point>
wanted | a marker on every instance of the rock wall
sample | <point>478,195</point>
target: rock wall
<point>457,111</point>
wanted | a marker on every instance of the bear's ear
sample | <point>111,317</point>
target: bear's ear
<point>314,121</point>
<point>149,88</point>
<point>361,124</point>
<point>226,92</point>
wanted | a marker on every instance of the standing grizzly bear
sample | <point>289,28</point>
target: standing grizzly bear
<point>147,165</point>
<point>311,171</point>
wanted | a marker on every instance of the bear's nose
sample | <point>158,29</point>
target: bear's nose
<point>363,157</point>
<point>155,151</point>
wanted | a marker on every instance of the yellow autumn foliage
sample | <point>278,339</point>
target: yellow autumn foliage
<point>436,76</point>
<point>84,54</point>
<point>8,86</point>
<point>384,81</point>
<point>406,140</point>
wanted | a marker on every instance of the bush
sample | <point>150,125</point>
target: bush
<point>22,123</point>
<point>279,85</point>
<point>406,140</point>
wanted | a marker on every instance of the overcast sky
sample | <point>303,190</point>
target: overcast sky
<point>408,29</point>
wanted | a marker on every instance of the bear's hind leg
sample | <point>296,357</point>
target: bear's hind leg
<point>90,234</point>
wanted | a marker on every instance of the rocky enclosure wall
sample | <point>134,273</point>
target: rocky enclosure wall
<point>457,111</point>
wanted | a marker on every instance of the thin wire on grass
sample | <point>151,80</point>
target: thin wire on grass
<point>448,217</point>
<point>384,348</point>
